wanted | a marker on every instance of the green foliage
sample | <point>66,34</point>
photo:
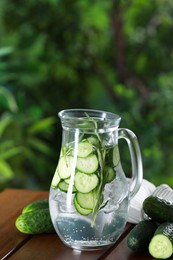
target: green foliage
<point>108,55</point>
<point>23,144</point>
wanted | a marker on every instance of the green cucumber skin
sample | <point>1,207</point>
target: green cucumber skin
<point>35,222</point>
<point>139,237</point>
<point>166,229</point>
<point>158,209</point>
<point>35,205</point>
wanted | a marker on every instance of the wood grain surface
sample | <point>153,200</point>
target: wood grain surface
<point>17,246</point>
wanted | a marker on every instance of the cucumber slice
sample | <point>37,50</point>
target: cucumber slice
<point>88,164</point>
<point>86,200</point>
<point>56,179</point>
<point>65,166</point>
<point>84,149</point>
<point>67,180</point>
<point>85,183</point>
<point>160,247</point>
<point>81,210</point>
<point>63,186</point>
<point>109,174</point>
<point>93,140</point>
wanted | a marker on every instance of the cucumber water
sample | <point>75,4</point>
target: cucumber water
<point>76,231</point>
<point>88,198</point>
<point>88,188</point>
<point>86,170</point>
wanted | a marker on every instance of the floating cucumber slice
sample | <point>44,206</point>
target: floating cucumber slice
<point>65,166</point>
<point>81,210</point>
<point>88,164</point>
<point>84,182</point>
<point>56,179</point>
<point>84,149</point>
<point>86,200</point>
<point>63,186</point>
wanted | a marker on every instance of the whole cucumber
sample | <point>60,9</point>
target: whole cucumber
<point>139,237</point>
<point>38,204</point>
<point>35,222</point>
<point>158,209</point>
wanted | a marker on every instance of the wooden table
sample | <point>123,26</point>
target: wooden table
<point>17,246</point>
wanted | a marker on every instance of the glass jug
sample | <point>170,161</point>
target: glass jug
<point>89,193</point>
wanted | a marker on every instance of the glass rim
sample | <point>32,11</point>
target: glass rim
<point>89,120</point>
<point>67,114</point>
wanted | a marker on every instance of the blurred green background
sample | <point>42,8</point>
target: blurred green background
<point>109,55</point>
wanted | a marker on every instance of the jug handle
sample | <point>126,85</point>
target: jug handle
<point>136,159</point>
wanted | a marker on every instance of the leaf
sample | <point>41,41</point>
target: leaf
<point>6,119</point>
<point>41,125</point>
<point>5,51</point>
<point>5,171</point>
<point>101,153</point>
<point>40,146</point>
<point>11,152</point>
<point>9,98</point>
<point>101,157</point>
<point>6,144</point>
